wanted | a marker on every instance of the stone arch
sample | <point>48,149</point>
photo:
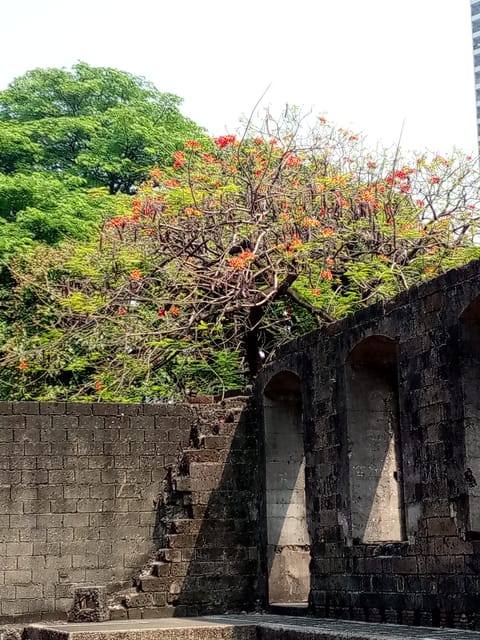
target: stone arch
<point>470,380</point>
<point>288,542</point>
<point>374,452</point>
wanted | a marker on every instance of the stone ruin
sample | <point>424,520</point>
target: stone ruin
<point>347,485</point>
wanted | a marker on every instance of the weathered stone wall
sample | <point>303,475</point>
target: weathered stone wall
<point>90,492</point>
<point>177,510</point>
<point>422,564</point>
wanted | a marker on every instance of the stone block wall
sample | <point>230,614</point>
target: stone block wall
<point>391,416</point>
<point>170,507</point>
<point>90,492</point>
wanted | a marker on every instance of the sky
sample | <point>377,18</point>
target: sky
<point>374,66</point>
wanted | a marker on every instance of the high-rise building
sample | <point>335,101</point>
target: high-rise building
<point>475,9</point>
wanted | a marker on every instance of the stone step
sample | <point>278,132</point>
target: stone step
<point>160,568</point>
<point>237,627</point>
<point>119,597</point>
<point>158,624</point>
<point>200,455</point>
<point>148,584</point>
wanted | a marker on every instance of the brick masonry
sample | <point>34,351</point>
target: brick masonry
<point>432,575</point>
<point>90,492</point>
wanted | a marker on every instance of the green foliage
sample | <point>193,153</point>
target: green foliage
<point>101,124</point>
<point>46,208</point>
<point>239,247</point>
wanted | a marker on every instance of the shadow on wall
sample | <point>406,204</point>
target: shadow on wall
<point>288,542</point>
<point>374,453</point>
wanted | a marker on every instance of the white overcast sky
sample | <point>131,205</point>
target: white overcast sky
<point>368,65</point>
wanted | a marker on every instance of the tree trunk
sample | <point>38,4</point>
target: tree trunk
<point>252,342</point>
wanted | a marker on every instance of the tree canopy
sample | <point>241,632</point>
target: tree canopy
<point>69,137</point>
<point>104,125</point>
<point>239,246</point>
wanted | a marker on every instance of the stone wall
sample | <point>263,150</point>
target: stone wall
<point>92,493</point>
<point>188,509</point>
<point>391,416</point>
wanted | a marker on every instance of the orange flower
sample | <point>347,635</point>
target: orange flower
<point>236,262</point>
<point>98,385</point>
<point>310,222</point>
<point>156,174</point>
<point>327,231</point>
<point>240,261</point>
<point>258,141</point>
<point>209,159</point>
<point>193,144</point>
<point>292,160</point>
<point>247,255</point>
<point>136,274</point>
<point>330,261</point>
<point>171,183</point>
<point>23,365</point>
<point>117,222</point>
<point>322,120</point>
<point>190,211</point>
<point>122,311</point>
<point>326,274</point>
<point>174,310</point>
<point>316,292</point>
<point>179,158</point>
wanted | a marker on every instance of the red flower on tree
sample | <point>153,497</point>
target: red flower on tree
<point>23,365</point>
<point>224,141</point>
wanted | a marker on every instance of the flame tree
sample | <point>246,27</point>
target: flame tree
<point>242,245</point>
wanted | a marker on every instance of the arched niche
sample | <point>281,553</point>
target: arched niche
<point>376,495</point>
<point>288,543</point>
<point>470,383</point>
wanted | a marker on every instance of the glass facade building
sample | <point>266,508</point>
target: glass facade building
<point>475,9</point>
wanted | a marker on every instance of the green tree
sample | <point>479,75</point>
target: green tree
<point>239,247</point>
<point>101,124</point>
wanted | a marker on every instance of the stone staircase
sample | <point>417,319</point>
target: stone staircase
<point>161,588</point>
